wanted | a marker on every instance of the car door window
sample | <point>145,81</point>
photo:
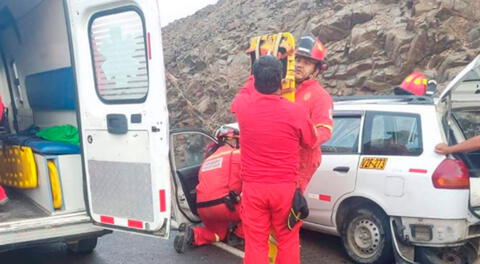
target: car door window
<point>189,149</point>
<point>392,134</point>
<point>344,138</point>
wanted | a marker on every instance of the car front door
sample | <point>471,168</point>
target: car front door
<point>188,149</point>
<point>336,175</point>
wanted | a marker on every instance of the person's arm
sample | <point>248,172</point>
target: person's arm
<point>322,118</point>
<point>308,133</point>
<point>247,89</point>
<point>470,144</point>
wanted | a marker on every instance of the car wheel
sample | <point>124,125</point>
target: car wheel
<point>82,246</point>
<point>366,236</point>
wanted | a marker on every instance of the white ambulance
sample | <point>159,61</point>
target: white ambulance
<point>96,65</point>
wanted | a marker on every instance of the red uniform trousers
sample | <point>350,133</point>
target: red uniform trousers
<point>266,206</point>
<point>217,220</point>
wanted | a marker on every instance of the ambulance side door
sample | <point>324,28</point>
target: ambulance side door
<point>337,173</point>
<point>119,75</point>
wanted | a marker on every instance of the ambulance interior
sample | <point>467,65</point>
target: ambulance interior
<point>42,177</point>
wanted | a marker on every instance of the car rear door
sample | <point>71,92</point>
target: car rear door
<point>460,101</point>
<point>337,173</point>
<point>118,64</point>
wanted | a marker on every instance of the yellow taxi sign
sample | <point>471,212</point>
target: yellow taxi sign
<point>373,163</point>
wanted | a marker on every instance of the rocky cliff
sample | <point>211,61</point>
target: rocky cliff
<point>372,45</point>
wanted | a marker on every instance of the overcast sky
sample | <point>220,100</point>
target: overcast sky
<point>171,10</point>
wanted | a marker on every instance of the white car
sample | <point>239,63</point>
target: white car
<point>384,190</point>
<point>381,186</point>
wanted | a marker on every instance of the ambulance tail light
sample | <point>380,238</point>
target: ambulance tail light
<point>451,174</point>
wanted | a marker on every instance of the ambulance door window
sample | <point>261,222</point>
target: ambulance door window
<point>118,45</point>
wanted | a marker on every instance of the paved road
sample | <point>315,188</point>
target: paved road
<point>122,248</point>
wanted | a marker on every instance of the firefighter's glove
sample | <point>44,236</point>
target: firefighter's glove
<point>298,211</point>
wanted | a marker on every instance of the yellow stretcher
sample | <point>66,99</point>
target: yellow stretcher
<point>281,45</point>
<point>17,167</point>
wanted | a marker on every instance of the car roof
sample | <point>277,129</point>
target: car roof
<point>385,99</point>
<point>411,104</point>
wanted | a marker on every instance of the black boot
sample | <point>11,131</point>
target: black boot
<point>232,239</point>
<point>184,238</point>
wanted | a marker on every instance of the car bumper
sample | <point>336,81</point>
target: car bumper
<point>436,232</point>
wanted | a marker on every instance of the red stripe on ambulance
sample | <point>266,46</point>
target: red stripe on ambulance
<point>135,224</point>
<point>163,201</point>
<point>107,220</point>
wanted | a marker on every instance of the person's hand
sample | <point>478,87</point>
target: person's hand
<point>442,149</point>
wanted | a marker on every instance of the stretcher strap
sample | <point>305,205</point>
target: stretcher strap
<point>55,185</point>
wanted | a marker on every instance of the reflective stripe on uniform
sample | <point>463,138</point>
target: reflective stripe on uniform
<point>329,127</point>
<point>223,153</point>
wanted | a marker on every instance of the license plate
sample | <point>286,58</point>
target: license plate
<point>373,163</point>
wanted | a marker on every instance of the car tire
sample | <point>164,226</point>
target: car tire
<point>82,246</point>
<point>366,236</point>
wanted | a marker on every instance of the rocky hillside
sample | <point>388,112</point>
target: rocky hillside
<point>372,45</point>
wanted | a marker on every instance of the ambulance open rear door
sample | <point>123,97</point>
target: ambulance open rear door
<point>118,61</point>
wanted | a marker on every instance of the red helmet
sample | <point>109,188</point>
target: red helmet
<point>312,48</point>
<point>414,84</point>
<point>225,132</point>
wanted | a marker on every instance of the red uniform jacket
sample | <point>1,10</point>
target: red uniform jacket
<point>219,174</point>
<point>272,130</point>
<point>319,105</point>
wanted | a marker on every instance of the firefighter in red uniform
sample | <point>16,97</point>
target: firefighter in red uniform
<point>309,62</point>
<point>3,194</point>
<point>218,193</point>
<point>273,130</point>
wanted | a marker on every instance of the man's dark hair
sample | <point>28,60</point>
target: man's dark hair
<point>268,73</point>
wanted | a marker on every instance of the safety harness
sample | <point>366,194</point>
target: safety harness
<point>229,200</point>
